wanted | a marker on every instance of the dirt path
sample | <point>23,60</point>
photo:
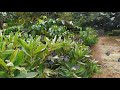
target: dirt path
<point>107,53</point>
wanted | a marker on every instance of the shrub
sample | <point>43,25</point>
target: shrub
<point>89,36</point>
<point>116,32</point>
<point>12,29</point>
<point>30,58</point>
<point>46,49</point>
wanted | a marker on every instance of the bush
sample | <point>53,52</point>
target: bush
<point>116,32</point>
<point>30,58</point>
<point>12,29</point>
<point>89,36</point>
<point>110,34</point>
<point>46,49</point>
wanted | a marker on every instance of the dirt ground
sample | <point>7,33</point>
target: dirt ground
<point>107,53</point>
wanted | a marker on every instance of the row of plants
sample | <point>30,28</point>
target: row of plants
<point>46,51</point>
<point>42,26</point>
<point>52,28</point>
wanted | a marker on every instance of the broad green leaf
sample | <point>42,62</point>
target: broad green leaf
<point>1,43</point>
<point>24,45</point>
<point>21,69</point>
<point>31,45</point>
<point>40,48</point>
<point>31,74</point>
<point>3,46</point>
<point>33,33</point>
<point>57,46</point>
<point>3,64</point>
<point>10,46</point>
<point>26,35</point>
<point>8,51</point>
<point>21,75</point>
<point>13,56</point>
<point>27,75</point>
<point>19,58</point>
<point>75,75</point>
<point>49,72</point>
<point>26,52</point>
<point>3,74</point>
<point>41,68</point>
<point>47,41</point>
<point>38,39</point>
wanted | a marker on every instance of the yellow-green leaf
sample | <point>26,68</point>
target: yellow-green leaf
<point>3,64</point>
<point>8,51</point>
<point>40,48</point>
<point>24,45</point>
<point>13,56</point>
<point>19,58</point>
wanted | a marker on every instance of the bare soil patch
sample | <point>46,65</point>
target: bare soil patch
<point>107,53</point>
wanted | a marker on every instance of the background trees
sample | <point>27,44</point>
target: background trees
<point>98,20</point>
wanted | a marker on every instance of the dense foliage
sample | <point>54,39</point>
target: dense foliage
<point>89,36</point>
<point>47,48</point>
<point>98,20</point>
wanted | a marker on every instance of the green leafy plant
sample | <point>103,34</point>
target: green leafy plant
<point>12,29</point>
<point>89,36</point>
<point>46,49</point>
